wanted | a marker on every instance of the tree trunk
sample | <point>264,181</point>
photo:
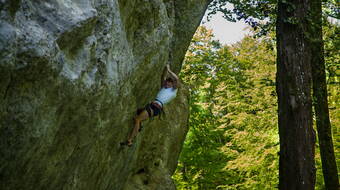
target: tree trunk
<point>297,137</point>
<point>323,124</point>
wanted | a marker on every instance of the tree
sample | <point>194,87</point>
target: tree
<point>251,12</point>
<point>251,120</point>
<point>232,142</point>
<point>197,168</point>
<point>296,64</point>
<point>294,78</point>
<point>323,123</point>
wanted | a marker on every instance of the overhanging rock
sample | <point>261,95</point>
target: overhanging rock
<point>72,74</point>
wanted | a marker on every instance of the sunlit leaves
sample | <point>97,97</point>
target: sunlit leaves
<point>232,140</point>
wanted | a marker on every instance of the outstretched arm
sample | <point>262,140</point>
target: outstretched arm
<point>173,76</point>
<point>165,71</point>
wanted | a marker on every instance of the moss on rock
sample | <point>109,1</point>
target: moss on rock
<point>73,74</point>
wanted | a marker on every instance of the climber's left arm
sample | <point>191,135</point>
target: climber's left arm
<point>173,76</point>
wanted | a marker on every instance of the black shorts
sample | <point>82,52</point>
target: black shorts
<point>155,109</point>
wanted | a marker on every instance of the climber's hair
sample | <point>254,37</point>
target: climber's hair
<point>173,81</point>
<point>169,79</point>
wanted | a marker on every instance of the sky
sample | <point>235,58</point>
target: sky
<point>224,31</point>
<point>231,32</point>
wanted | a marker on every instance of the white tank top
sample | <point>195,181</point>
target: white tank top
<point>165,95</point>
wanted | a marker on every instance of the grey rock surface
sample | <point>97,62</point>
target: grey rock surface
<point>72,74</point>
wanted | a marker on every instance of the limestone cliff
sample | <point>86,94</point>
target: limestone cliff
<point>72,74</point>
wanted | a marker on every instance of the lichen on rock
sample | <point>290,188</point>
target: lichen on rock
<point>72,74</point>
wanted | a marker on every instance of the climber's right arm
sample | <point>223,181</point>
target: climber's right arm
<point>165,71</point>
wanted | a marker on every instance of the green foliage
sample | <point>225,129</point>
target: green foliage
<point>233,140</point>
<point>331,8</point>
<point>261,14</point>
<point>332,49</point>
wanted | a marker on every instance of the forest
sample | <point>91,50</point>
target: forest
<point>264,112</point>
<point>233,141</point>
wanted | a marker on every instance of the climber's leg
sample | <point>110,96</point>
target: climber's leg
<point>137,121</point>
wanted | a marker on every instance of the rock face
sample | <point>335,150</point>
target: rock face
<point>72,74</point>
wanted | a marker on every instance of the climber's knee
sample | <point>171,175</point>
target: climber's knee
<point>142,116</point>
<point>136,118</point>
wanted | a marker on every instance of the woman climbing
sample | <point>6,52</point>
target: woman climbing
<point>167,93</point>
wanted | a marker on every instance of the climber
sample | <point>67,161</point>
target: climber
<point>167,93</point>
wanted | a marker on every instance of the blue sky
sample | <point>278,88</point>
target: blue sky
<point>226,32</point>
